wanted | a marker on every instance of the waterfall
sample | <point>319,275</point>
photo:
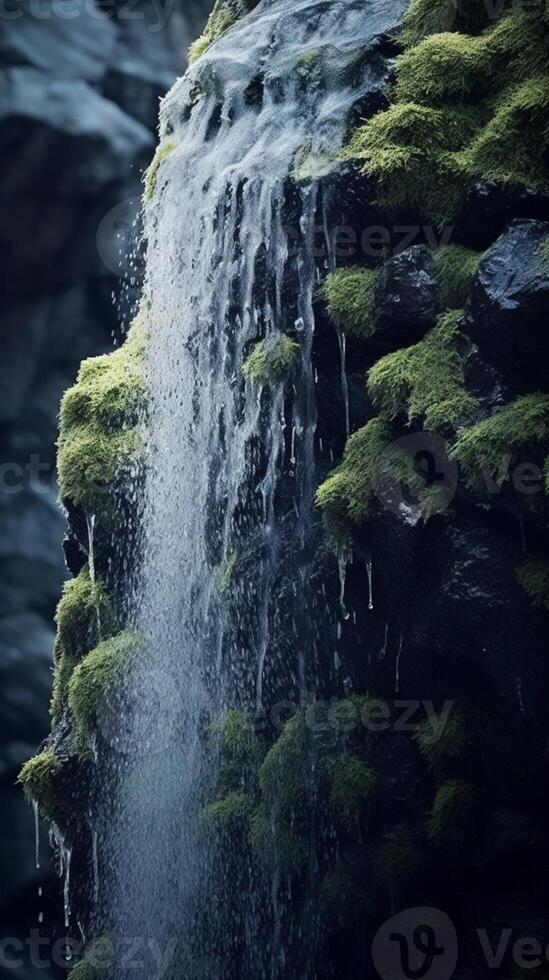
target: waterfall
<point>231,260</point>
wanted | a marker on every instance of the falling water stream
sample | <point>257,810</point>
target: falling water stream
<point>231,260</point>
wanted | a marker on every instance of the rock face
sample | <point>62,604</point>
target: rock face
<point>409,631</point>
<point>78,113</point>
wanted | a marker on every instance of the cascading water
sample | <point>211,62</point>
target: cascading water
<point>231,475</point>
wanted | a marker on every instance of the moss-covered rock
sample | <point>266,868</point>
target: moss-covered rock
<point>276,843</point>
<point>453,808</point>
<point>396,863</point>
<point>425,382</point>
<point>163,151</point>
<point>516,433</point>
<point>468,106</point>
<point>455,268</point>
<point>99,436</point>
<point>84,617</point>
<point>352,786</point>
<point>349,297</point>
<point>99,676</point>
<point>442,738</point>
<point>39,778</point>
<point>240,753</point>
<point>271,359</point>
<point>346,495</point>
<point>533,576</point>
<point>230,814</point>
<point>224,14</point>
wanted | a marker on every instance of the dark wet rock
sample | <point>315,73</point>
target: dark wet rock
<point>66,46</point>
<point>507,316</point>
<point>26,644</point>
<point>80,140</point>
<point>405,294</point>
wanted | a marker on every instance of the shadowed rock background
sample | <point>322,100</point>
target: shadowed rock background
<point>79,90</point>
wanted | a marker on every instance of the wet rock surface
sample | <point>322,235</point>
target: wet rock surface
<point>79,94</point>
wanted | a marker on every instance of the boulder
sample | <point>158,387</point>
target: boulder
<point>507,315</point>
<point>405,294</point>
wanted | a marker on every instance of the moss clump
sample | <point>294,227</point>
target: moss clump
<point>456,267</point>
<point>97,963</point>
<point>224,14</point>
<point>99,438</point>
<point>349,296</point>
<point>39,778</point>
<point>271,359</point>
<point>352,786</point>
<point>533,576</point>
<point>411,149</point>
<point>163,151</point>
<point>240,753</point>
<point>425,381</point>
<point>497,444</point>
<point>84,617</point>
<point>282,774</point>
<point>425,17</point>
<point>231,813</point>
<point>342,897</point>
<point>97,677</point>
<point>442,738</point>
<point>276,843</point>
<point>452,810</point>
<point>396,863</point>
<point>506,151</point>
<point>460,115</point>
<point>84,971</point>
<point>83,613</point>
<point>443,68</point>
<point>346,495</point>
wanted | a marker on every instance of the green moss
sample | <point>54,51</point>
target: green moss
<point>39,778</point>
<point>346,495</point>
<point>442,738</point>
<point>97,677</point>
<point>342,897</point>
<point>84,971</point>
<point>276,843</point>
<point>271,359</point>
<point>349,296</point>
<point>533,576</point>
<point>500,442</point>
<point>544,254</point>
<point>460,114</point>
<point>456,267</point>
<point>452,810</point>
<point>506,150</point>
<point>97,963</point>
<point>397,862</point>
<point>352,786</point>
<point>233,812</point>
<point>443,68</point>
<point>240,753</point>
<point>411,149</point>
<point>163,151</point>
<point>83,613</point>
<point>425,381</point>
<point>99,439</point>
<point>425,17</point>
<point>84,617</point>
<point>281,776</point>
<point>222,17</point>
